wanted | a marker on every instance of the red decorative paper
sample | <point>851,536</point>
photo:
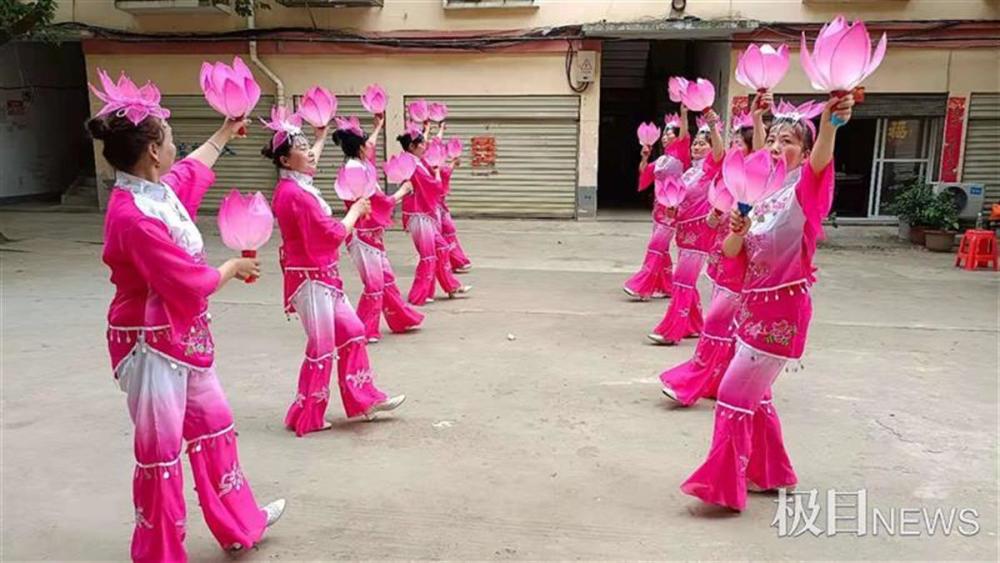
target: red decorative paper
<point>484,152</point>
<point>740,104</point>
<point>954,123</point>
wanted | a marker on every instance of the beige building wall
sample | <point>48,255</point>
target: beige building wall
<point>401,75</point>
<point>432,15</point>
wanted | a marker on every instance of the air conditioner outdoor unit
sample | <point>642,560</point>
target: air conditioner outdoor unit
<point>968,197</point>
<point>201,7</point>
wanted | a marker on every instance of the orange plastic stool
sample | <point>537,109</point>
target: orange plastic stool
<point>977,249</point>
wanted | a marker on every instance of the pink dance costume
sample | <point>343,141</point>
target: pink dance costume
<point>311,238</point>
<point>163,358</point>
<point>366,246</point>
<point>654,278</point>
<point>421,220</point>
<point>699,377</point>
<point>694,241</point>
<point>456,254</point>
<point>772,322</point>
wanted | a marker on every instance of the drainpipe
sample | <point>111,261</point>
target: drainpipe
<point>278,84</point>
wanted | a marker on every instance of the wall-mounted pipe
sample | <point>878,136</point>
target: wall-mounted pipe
<point>279,86</point>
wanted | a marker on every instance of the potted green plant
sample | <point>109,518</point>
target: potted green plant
<point>941,217</point>
<point>909,205</point>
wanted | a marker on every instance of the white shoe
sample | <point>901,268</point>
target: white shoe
<point>660,295</point>
<point>755,489</point>
<point>373,340</point>
<point>429,300</point>
<point>274,511</point>
<point>656,338</point>
<point>385,406</point>
<point>670,393</point>
<point>464,269</point>
<point>460,291</point>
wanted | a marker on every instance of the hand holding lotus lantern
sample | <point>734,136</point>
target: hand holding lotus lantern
<point>318,107</point>
<point>245,223</point>
<point>751,178</point>
<point>374,99</point>
<point>418,111</point>
<point>648,134</point>
<point>841,58</point>
<point>762,68</point>
<point>230,90</point>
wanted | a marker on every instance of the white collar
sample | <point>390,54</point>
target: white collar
<point>141,186</point>
<point>305,182</point>
<point>157,200</point>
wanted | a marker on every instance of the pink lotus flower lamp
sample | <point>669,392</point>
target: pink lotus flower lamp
<point>230,90</point>
<point>762,67</point>
<point>418,111</point>
<point>453,148</point>
<point>720,197</point>
<point>245,223</point>
<point>698,95</point>
<point>318,106</point>
<point>648,134</point>
<point>374,99</point>
<point>669,191</point>
<point>751,178</point>
<point>841,57</point>
<point>437,112</point>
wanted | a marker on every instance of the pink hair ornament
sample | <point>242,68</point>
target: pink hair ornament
<point>124,99</point>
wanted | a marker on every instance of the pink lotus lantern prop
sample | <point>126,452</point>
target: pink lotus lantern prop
<point>245,223</point>
<point>841,57</point>
<point>698,95</point>
<point>751,178</point>
<point>437,112</point>
<point>230,90</point>
<point>675,87</point>
<point>720,197</point>
<point>453,148</point>
<point>355,182</point>
<point>418,111</point>
<point>318,106</point>
<point>435,154</point>
<point>648,134</point>
<point>374,99</point>
<point>762,67</point>
<point>669,191</point>
<point>400,168</point>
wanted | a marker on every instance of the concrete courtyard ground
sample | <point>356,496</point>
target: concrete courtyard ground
<point>551,443</point>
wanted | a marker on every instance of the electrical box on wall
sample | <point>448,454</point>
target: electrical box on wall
<point>586,66</point>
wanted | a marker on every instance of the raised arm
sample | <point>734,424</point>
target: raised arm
<point>718,148</point>
<point>373,138</point>
<point>208,153</point>
<point>684,122</point>
<point>644,161</point>
<point>836,108</point>
<point>317,147</point>
<point>762,104</point>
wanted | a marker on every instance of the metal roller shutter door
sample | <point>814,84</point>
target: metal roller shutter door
<point>982,145</point>
<point>332,157</point>
<point>537,141</point>
<point>885,105</point>
<point>241,166</point>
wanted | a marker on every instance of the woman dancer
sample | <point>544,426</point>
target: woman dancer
<point>460,262</point>
<point>694,236</point>
<point>420,218</point>
<point>699,376</point>
<point>161,347</point>
<point>366,245</point>
<point>780,240</point>
<point>654,278</point>
<point>309,255</point>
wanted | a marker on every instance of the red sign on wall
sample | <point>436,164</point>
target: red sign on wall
<point>484,152</point>
<point>954,122</point>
